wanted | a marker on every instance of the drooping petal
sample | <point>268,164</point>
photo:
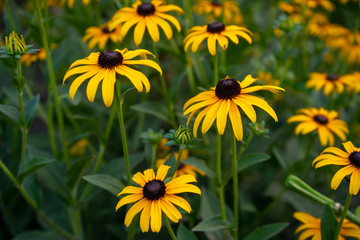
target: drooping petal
<point>128,199</point>
<point>135,209</point>
<point>339,175</point>
<point>139,32</point>
<point>156,216</point>
<point>94,83</point>
<point>145,217</point>
<point>170,210</point>
<point>131,190</point>
<point>79,80</point>
<point>222,114</point>
<point>108,87</point>
<point>236,122</point>
<point>179,201</point>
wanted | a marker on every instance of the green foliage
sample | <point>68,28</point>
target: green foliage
<point>267,231</point>
<point>105,182</point>
<point>328,223</point>
<point>211,224</point>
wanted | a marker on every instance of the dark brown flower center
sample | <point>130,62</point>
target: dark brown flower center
<point>354,158</point>
<point>110,59</point>
<point>106,30</point>
<point>215,3</point>
<point>215,27</point>
<point>145,9</point>
<point>321,119</point>
<point>154,190</point>
<point>332,77</point>
<point>227,89</point>
<point>181,165</point>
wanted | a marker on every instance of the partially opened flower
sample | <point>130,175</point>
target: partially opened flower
<point>100,36</point>
<point>214,9</point>
<point>350,160</point>
<point>154,197</point>
<point>215,32</point>
<point>224,100</point>
<point>311,228</point>
<point>330,83</point>
<point>325,122</point>
<point>146,15</point>
<point>104,67</point>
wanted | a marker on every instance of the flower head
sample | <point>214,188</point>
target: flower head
<point>349,46</point>
<point>215,32</point>
<point>324,121</point>
<point>350,160</point>
<point>329,82</point>
<point>154,197</point>
<point>223,100</point>
<point>70,3</point>
<point>100,36</point>
<point>325,4</point>
<point>29,58</point>
<point>146,15</point>
<point>104,67</point>
<point>214,9</point>
<point>15,46</point>
<point>312,227</point>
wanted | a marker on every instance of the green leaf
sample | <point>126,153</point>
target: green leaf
<point>281,158</point>
<point>106,182</point>
<point>251,159</point>
<point>30,110</point>
<point>76,170</point>
<point>32,165</point>
<point>33,189</point>
<point>328,223</point>
<point>211,224</point>
<point>195,162</point>
<point>185,234</point>
<point>267,231</point>
<point>171,161</point>
<point>11,112</point>
<point>153,108</point>
<point>37,235</point>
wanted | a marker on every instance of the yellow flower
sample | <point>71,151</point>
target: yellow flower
<point>331,83</point>
<point>312,227</point>
<point>232,13</point>
<point>324,121</point>
<point>183,169</point>
<point>150,15</point>
<point>354,85</point>
<point>325,4</point>
<point>215,31</point>
<point>100,36</point>
<point>350,160</point>
<point>267,78</point>
<point>78,149</point>
<point>319,26</point>
<point>104,67</point>
<point>29,58</point>
<point>70,3</point>
<point>154,197</point>
<point>289,8</point>
<point>224,99</point>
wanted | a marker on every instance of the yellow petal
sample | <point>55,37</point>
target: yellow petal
<point>128,199</point>
<point>222,114</point>
<point>236,122</point>
<point>170,210</point>
<point>212,44</point>
<point>145,218</point>
<point>210,117</point>
<point>145,62</point>
<point>135,209</point>
<point>161,172</point>
<point>156,220</point>
<point>130,190</point>
<point>140,179</point>
<point>94,83</point>
<point>79,80</point>
<point>107,88</point>
<point>179,201</point>
<point>139,32</point>
<point>339,175</point>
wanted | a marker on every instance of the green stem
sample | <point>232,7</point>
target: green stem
<point>201,69</point>
<point>343,214</point>
<point>168,226</point>
<point>219,178</point>
<point>164,89</point>
<point>51,128</point>
<point>52,79</point>
<point>190,74</point>
<point>120,101</point>
<point>9,15</point>
<point>75,221</point>
<point>33,204</point>
<point>177,162</point>
<point>235,185</point>
<point>188,11</point>
<point>216,69</point>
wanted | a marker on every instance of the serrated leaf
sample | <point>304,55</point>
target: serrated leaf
<point>106,182</point>
<point>185,234</point>
<point>11,112</point>
<point>32,165</point>
<point>30,110</point>
<point>211,224</point>
<point>328,223</point>
<point>197,163</point>
<point>267,231</point>
<point>156,109</point>
<point>76,170</point>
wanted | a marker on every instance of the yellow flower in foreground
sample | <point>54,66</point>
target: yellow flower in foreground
<point>182,169</point>
<point>350,160</point>
<point>146,15</point>
<point>70,3</point>
<point>224,99</point>
<point>312,227</point>
<point>324,121</point>
<point>329,82</point>
<point>101,35</point>
<point>104,67</point>
<point>154,197</point>
<point>29,58</point>
<point>213,8</point>
<point>213,32</point>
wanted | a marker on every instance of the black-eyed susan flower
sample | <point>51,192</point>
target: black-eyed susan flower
<point>29,58</point>
<point>215,32</point>
<point>224,100</point>
<point>214,9</point>
<point>100,36</point>
<point>146,15</point>
<point>330,83</point>
<point>70,3</point>
<point>104,67</point>
<point>154,197</point>
<point>350,160</point>
<point>354,82</point>
<point>311,228</point>
<point>325,4</point>
<point>183,169</point>
<point>325,122</point>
